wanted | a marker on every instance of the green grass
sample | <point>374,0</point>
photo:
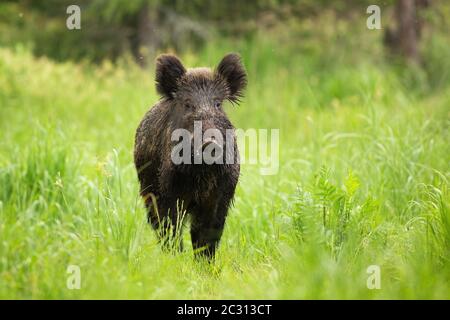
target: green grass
<point>363,180</point>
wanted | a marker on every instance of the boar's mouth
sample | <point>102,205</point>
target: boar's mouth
<point>213,144</point>
<point>209,145</point>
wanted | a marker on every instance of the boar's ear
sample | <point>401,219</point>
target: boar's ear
<point>233,72</point>
<point>169,70</point>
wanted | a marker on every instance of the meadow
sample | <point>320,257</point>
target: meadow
<point>363,176</point>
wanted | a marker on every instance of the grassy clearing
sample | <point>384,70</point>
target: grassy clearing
<point>363,180</point>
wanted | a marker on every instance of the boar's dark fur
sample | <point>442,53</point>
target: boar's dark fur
<point>204,191</point>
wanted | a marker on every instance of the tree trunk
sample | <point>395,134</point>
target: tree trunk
<point>406,17</point>
<point>145,40</point>
<point>404,39</point>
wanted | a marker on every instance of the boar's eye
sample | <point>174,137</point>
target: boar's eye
<point>217,103</point>
<point>188,105</point>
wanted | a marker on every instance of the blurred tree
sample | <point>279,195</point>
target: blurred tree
<point>110,28</point>
<point>404,38</point>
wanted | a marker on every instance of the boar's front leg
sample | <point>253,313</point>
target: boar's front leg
<point>207,225</point>
<point>167,221</point>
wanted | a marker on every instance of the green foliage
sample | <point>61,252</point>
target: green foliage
<point>363,176</point>
<point>113,28</point>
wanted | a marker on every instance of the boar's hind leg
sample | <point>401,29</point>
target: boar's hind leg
<point>206,230</point>
<point>167,223</point>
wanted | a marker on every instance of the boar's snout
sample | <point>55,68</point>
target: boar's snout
<point>212,144</point>
<point>210,141</point>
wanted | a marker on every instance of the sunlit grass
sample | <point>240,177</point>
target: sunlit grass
<point>363,180</point>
